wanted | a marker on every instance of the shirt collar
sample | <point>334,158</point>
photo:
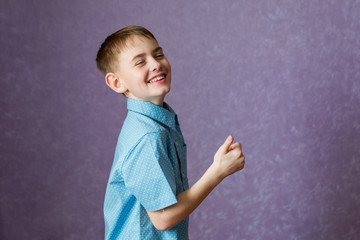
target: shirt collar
<point>165,114</point>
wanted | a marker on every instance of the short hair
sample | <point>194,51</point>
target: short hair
<point>106,57</point>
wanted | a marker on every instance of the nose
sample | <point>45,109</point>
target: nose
<point>155,65</point>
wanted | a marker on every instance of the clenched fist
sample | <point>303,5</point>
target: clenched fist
<point>229,158</point>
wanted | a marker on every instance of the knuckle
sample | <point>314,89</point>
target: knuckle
<point>237,153</point>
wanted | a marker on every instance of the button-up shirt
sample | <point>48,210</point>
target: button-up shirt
<point>148,172</point>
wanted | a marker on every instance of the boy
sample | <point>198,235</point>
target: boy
<point>147,195</point>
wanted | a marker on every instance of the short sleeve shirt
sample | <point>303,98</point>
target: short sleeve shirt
<point>148,172</point>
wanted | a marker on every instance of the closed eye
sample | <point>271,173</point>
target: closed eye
<point>159,55</point>
<point>139,62</point>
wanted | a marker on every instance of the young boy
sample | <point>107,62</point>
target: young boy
<point>147,195</point>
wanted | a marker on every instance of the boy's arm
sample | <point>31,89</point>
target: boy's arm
<point>227,160</point>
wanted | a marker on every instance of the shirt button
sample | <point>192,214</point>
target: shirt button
<point>177,143</point>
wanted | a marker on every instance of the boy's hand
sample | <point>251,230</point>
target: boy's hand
<point>229,158</point>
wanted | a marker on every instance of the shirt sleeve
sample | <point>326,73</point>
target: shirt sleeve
<point>149,174</point>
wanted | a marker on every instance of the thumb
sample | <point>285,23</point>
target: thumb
<point>229,140</point>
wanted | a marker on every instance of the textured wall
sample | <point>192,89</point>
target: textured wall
<point>282,76</point>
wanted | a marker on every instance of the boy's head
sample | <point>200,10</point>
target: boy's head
<point>134,64</point>
<point>107,55</point>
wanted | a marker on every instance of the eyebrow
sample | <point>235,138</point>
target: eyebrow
<point>143,54</point>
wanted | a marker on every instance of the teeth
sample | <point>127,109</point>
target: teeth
<point>157,79</point>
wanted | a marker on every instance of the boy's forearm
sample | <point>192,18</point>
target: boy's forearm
<point>188,201</point>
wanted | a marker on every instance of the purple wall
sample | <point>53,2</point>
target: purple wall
<point>282,76</point>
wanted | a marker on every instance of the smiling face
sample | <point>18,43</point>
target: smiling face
<point>144,71</point>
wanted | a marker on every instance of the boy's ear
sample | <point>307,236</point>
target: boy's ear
<point>115,83</point>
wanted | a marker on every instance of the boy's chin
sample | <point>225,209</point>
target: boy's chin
<point>164,91</point>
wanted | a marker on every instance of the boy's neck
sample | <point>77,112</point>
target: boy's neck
<point>157,102</point>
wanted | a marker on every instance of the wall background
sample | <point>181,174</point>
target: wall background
<point>282,76</point>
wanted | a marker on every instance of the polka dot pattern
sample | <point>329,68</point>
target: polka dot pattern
<point>149,170</point>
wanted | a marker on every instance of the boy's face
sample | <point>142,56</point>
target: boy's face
<point>144,70</point>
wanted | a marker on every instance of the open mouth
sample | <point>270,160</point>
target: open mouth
<point>157,78</point>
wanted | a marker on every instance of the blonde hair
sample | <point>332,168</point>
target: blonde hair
<point>106,57</point>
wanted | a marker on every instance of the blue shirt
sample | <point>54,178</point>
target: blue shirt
<point>148,172</point>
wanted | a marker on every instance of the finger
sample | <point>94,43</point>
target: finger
<point>235,154</point>
<point>225,147</point>
<point>242,162</point>
<point>236,151</point>
<point>234,146</point>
